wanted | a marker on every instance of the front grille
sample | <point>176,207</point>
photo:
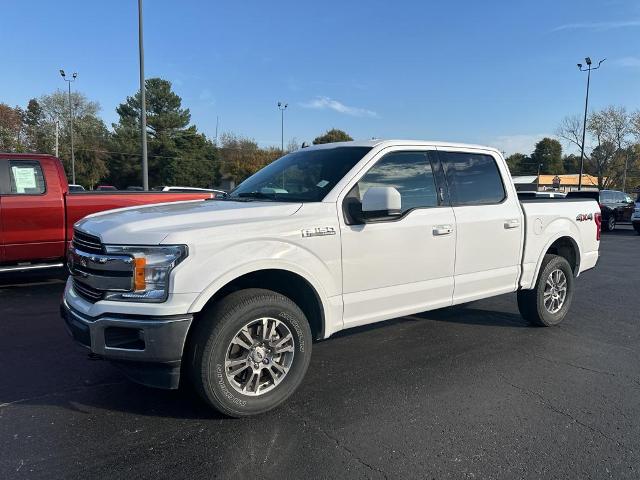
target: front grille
<point>90,294</point>
<point>86,243</point>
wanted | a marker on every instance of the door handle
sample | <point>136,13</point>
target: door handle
<point>513,223</point>
<point>442,230</point>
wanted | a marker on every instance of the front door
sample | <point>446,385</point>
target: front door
<point>402,265</point>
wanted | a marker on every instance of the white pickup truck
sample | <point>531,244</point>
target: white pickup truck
<point>232,292</point>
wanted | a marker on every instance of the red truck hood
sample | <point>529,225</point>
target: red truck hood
<point>151,224</point>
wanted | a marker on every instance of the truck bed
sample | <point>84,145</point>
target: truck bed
<point>546,226</point>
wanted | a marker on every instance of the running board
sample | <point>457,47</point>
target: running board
<point>34,266</point>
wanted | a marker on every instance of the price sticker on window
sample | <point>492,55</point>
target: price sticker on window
<point>24,177</point>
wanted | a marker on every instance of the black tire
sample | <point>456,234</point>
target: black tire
<point>531,302</point>
<point>636,226</point>
<point>211,339</point>
<point>610,224</point>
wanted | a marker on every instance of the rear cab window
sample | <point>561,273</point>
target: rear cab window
<point>473,178</point>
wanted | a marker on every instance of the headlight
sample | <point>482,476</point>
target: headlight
<point>152,267</point>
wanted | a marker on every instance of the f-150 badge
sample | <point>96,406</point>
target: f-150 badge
<point>318,232</point>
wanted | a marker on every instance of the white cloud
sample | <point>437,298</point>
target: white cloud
<point>521,143</point>
<point>326,103</point>
<point>630,62</point>
<point>598,26</point>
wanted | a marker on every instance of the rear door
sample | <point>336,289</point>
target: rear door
<point>32,215</point>
<point>489,224</point>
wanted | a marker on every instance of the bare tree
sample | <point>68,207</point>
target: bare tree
<point>608,143</point>
<point>613,125</point>
<point>570,130</point>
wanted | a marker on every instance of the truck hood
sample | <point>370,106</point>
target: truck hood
<point>151,224</point>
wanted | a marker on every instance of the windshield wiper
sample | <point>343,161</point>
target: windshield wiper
<point>260,195</point>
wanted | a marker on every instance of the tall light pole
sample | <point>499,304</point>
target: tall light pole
<point>586,106</point>
<point>143,103</point>
<point>282,107</point>
<point>73,155</point>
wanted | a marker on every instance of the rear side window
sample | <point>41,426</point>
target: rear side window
<point>408,172</point>
<point>26,178</point>
<point>474,179</point>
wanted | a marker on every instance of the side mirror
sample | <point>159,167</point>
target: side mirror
<point>381,202</point>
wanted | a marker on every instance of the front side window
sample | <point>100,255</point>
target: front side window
<point>473,178</point>
<point>26,178</point>
<point>408,172</point>
<point>301,176</point>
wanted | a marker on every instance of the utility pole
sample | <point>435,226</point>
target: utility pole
<point>73,155</point>
<point>143,103</point>
<point>282,107</point>
<point>57,122</point>
<point>586,106</point>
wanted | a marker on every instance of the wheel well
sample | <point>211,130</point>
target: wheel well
<point>287,283</point>
<point>566,247</point>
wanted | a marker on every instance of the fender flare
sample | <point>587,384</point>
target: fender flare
<point>553,239</point>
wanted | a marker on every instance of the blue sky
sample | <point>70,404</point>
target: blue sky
<point>498,73</point>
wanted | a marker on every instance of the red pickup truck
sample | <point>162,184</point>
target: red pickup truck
<point>37,211</point>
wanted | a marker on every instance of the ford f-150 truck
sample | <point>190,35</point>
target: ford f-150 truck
<point>232,293</point>
<point>37,212</point>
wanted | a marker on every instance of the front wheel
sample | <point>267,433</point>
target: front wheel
<point>548,302</point>
<point>250,352</point>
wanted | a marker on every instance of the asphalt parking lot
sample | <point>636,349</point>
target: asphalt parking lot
<point>469,392</point>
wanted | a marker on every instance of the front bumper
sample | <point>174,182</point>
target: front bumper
<point>148,348</point>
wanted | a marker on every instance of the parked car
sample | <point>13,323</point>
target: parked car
<point>135,188</point>
<point>37,210</point>
<point>329,237</point>
<point>75,188</point>
<point>616,206</point>
<point>101,188</point>
<point>635,219</point>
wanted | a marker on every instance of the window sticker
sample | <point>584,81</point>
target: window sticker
<point>25,178</point>
<point>322,183</point>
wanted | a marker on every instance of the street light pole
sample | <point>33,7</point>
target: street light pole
<point>586,106</point>
<point>73,155</point>
<point>143,103</point>
<point>282,107</point>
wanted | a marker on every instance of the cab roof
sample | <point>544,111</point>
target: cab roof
<point>376,142</point>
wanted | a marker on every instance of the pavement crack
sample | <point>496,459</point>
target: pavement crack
<point>580,367</point>
<point>339,444</point>
<point>59,393</point>
<point>550,406</point>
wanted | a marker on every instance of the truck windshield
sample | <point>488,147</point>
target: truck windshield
<point>301,176</point>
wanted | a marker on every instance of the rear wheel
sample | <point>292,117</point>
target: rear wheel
<point>250,352</point>
<point>610,224</point>
<point>548,302</point>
